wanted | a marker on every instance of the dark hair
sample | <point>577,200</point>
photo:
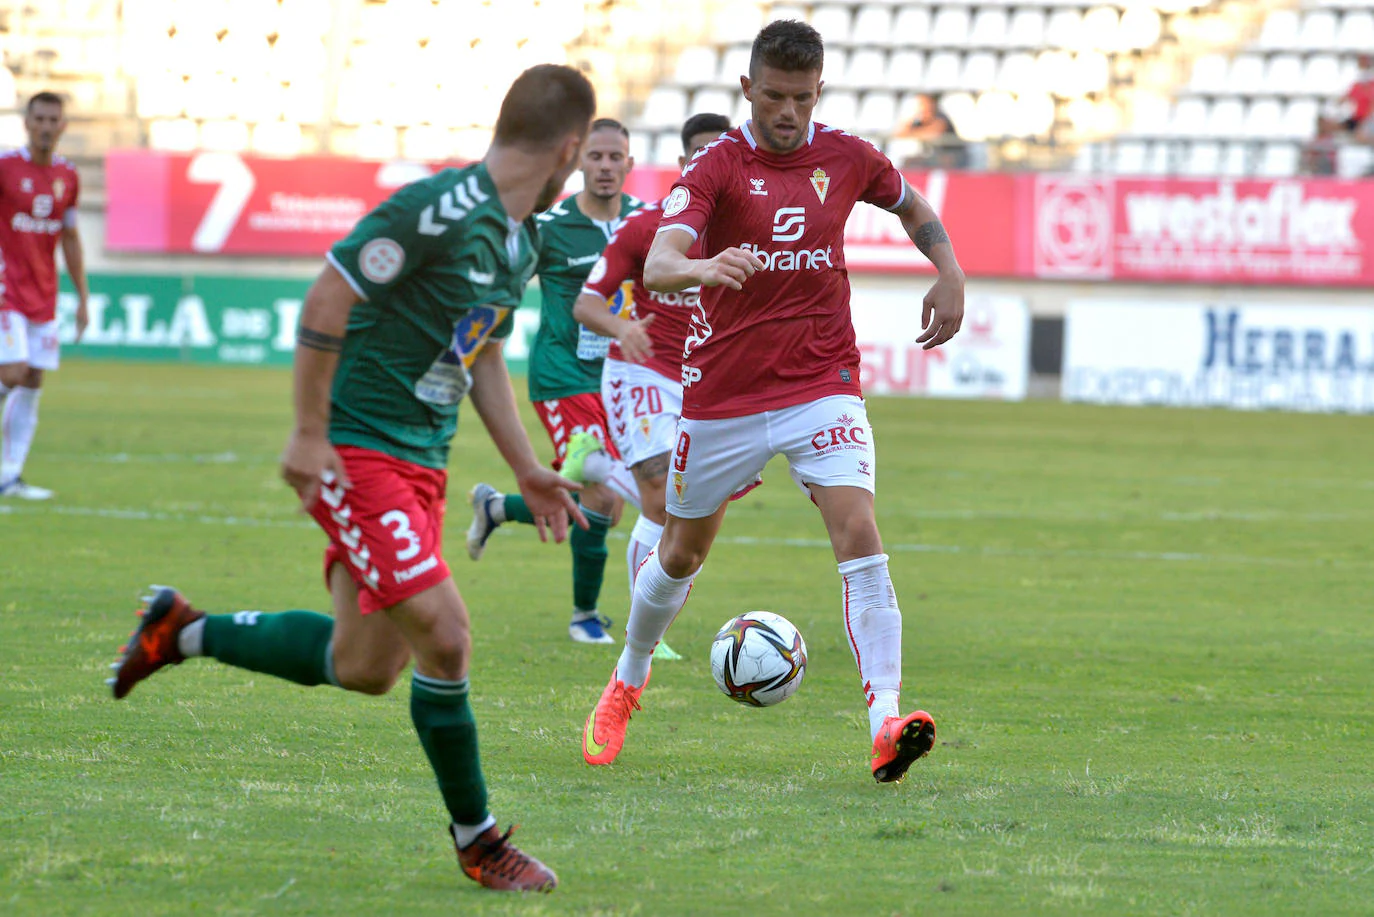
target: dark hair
<point>43,98</point>
<point>545,104</point>
<point>787,45</point>
<point>700,124</point>
<point>609,124</point>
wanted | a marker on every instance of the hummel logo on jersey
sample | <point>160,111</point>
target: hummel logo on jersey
<point>758,187</point>
<point>789,223</point>
<point>486,278</point>
<point>453,206</point>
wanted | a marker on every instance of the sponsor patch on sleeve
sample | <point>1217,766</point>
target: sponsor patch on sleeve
<point>677,202</point>
<point>380,260</point>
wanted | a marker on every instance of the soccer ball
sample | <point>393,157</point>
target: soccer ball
<point>758,659</point>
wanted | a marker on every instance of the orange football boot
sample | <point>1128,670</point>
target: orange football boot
<point>900,742</point>
<point>605,732</point>
<point>494,862</point>
<point>153,644</point>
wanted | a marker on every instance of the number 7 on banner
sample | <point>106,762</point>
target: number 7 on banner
<point>236,184</point>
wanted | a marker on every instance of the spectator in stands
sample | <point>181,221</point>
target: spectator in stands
<point>1319,153</point>
<point>1359,101</point>
<point>942,147</point>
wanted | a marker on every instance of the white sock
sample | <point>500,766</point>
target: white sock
<point>657,600</point>
<point>17,426</point>
<point>191,639</point>
<point>873,624</point>
<point>621,480</point>
<point>496,507</point>
<point>643,537</point>
<point>597,466</point>
<point>466,834</point>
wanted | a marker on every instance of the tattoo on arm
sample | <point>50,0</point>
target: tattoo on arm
<point>929,235</point>
<point>651,468</point>
<point>318,340</point>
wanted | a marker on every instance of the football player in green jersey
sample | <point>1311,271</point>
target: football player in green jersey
<point>565,372</point>
<point>407,316</point>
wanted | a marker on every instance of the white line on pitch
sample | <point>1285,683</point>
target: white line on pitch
<point>138,515</point>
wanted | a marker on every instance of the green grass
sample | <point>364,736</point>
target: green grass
<point>1145,636</point>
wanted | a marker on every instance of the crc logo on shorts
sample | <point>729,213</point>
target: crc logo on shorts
<point>789,224</point>
<point>676,201</point>
<point>844,434</point>
<point>380,260</point>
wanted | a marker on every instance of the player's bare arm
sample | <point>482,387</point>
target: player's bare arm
<point>667,269</point>
<point>942,312</point>
<point>309,457</point>
<point>74,256</point>
<point>545,491</point>
<point>594,312</point>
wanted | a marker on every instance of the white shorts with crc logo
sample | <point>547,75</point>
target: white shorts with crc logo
<point>23,341</point>
<point>642,408</point>
<point>827,442</point>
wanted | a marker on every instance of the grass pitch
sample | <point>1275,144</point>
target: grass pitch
<point>1145,637</point>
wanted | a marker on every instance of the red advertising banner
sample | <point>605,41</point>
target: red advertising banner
<point>1314,231</point>
<point>1295,231</point>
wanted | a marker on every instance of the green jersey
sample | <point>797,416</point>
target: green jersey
<point>440,268</point>
<point>566,358</point>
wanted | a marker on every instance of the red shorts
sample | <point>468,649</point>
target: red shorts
<point>564,417</point>
<point>386,528</point>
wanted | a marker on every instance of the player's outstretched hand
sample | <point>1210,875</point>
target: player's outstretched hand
<point>547,495</point>
<point>308,462</point>
<point>943,312</point>
<point>634,342</point>
<point>83,318</point>
<point>730,268</point>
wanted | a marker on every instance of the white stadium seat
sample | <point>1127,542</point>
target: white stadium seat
<point>943,71</point>
<point>1280,31</point>
<point>837,68</point>
<point>1226,118</point>
<point>1354,160</point>
<point>906,69</point>
<point>1203,158</point>
<point>1279,160</point>
<point>734,63</point>
<point>832,22</point>
<point>877,113</point>
<point>1128,157</point>
<point>1026,29</point>
<point>1300,119</point>
<point>1016,71</point>
<point>179,136</point>
<point>873,26</point>
<point>667,147</point>
<point>989,29</point>
<point>1356,32</point>
<point>696,66</point>
<point>911,26</point>
<point>1322,75</point>
<point>1149,116</point>
<point>1189,118</point>
<point>712,100</point>
<point>979,71</point>
<point>867,68</point>
<point>1283,76</point>
<point>1064,29</point>
<point>1318,31</point>
<point>950,27</point>
<point>1246,74</point>
<point>665,107</point>
<point>1264,118</point>
<point>1233,160</point>
<point>1209,74</point>
<point>839,108</point>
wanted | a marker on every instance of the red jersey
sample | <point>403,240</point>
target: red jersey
<point>1361,97</point>
<point>623,262</point>
<point>787,338</point>
<point>36,204</point>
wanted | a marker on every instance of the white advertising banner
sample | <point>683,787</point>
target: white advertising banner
<point>988,358</point>
<point>1251,357</point>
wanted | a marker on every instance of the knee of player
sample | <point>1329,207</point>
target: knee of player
<point>374,682</point>
<point>13,374</point>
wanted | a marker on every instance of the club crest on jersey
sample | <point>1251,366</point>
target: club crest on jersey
<point>758,187</point>
<point>58,186</point>
<point>679,485</point>
<point>26,185</point>
<point>381,259</point>
<point>644,426</point>
<point>821,182</point>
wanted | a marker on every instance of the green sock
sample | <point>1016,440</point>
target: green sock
<point>516,510</point>
<point>589,559</point>
<point>294,645</point>
<point>448,733</point>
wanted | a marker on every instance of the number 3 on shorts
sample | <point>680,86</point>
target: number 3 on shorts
<point>402,532</point>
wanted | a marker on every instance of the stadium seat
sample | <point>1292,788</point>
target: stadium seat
<point>1149,115</point>
<point>1140,28</point>
<point>641,146</point>
<point>1035,113</point>
<point>788,11</point>
<point>833,22</point>
<point>1204,158</point>
<point>998,115</point>
<point>1016,71</point>
<point>911,27</point>
<point>1246,74</point>
<point>375,141</point>
<point>1100,29</point>
<point>1318,31</point>
<point>664,107</point>
<point>1356,32</point>
<point>712,100</point>
<point>1280,31</point>
<point>1226,118</point>
<point>1234,158</point>
<point>1279,160</point>
<point>1092,73</point>
<point>1283,76</point>
<point>1189,118</point>
<point>667,147</point>
<point>257,98</point>
<point>906,69</point>
<point>943,71</point>
<point>1299,119</point>
<point>277,138</point>
<point>963,116</point>
<point>1322,75</point>
<point>734,63</point>
<point>989,29</point>
<point>979,71</point>
<point>303,101</point>
<point>1354,160</point>
<point>1128,157</point>
<point>1026,28</point>
<point>177,136</point>
<point>732,22</point>
<point>1064,29</point>
<point>1263,120</point>
<point>210,95</point>
<point>949,28</point>
<point>697,65</point>
<point>867,68</point>
<point>839,108</point>
<point>160,95</point>
<point>873,27</point>
<point>877,114</point>
<point>837,68</point>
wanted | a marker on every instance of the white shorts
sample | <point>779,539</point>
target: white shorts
<point>827,442</point>
<point>642,408</point>
<point>23,341</point>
